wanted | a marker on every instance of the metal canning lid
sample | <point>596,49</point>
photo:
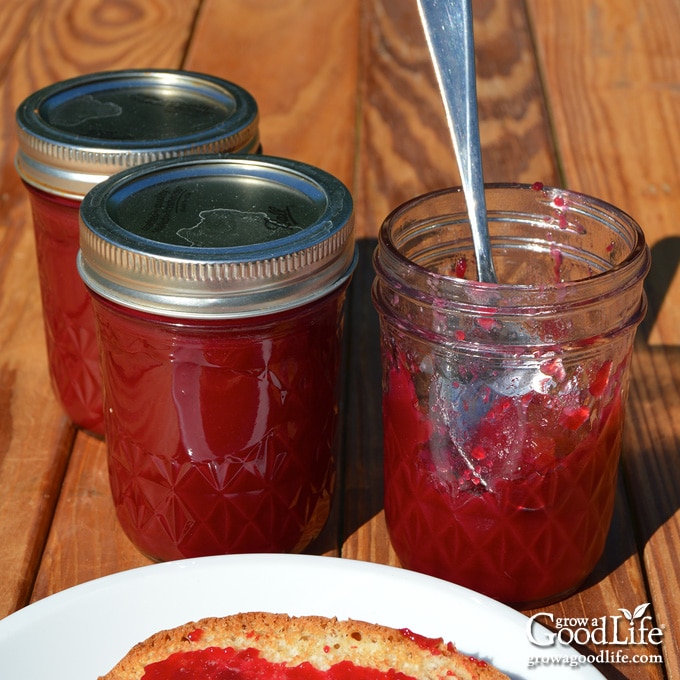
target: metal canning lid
<point>76,133</point>
<point>217,236</point>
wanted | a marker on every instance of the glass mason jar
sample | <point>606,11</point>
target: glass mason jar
<point>218,286</point>
<point>503,404</point>
<point>77,132</point>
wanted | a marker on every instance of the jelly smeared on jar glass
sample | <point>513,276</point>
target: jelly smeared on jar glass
<point>503,404</point>
<point>74,134</point>
<point>520,486</point>
<point>218,284</point>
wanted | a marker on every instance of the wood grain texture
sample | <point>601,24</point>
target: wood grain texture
<point>51,40</point>
<point>78,36</point>
<point>363,532</point>
<point>15,17</point>
<point>35,437</point>
<point>86,540</point>
<point>611,72</point>
<point>406,148</point>
<point>653,477</point>
<point>299,59</point>
<point>581,94</point>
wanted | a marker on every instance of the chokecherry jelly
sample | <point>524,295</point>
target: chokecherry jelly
<point>503,403</point>
<point>77,132</point>
<point>218,285</point>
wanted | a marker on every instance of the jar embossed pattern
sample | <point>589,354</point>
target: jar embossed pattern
<point>503,404</point>
<point>218,285</point>
<point>74,134</point>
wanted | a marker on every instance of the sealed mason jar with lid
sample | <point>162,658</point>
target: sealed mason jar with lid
<point>74,134</point>
<point>218,286</point>
<point>503,404</point>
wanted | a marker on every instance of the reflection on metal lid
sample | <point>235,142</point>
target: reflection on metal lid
<point>217,236</point>
<point>75,133</point>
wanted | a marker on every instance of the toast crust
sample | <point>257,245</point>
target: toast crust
<point>319,641</point>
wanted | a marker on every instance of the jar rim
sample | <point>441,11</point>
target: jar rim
<point>391,263</point>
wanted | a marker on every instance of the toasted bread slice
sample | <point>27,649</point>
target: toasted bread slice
<point>278,642</point>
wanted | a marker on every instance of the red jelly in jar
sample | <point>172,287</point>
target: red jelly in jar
<point>218,285</point>
<point>503,403</point>
<point>76,133</point>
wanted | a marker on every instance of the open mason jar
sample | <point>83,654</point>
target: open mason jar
<point>503,404</point>
<point>218,285</point>
<point>74,134</point>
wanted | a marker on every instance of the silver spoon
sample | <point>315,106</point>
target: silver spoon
<point>448,28</point>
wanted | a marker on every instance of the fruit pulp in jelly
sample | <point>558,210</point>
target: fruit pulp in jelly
<point>522,511</point>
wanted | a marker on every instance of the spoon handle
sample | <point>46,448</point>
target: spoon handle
<point>448,29</point>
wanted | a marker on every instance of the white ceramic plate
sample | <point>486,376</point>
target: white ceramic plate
<point>79,633</point>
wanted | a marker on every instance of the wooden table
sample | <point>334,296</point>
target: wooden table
<point>583,94</point>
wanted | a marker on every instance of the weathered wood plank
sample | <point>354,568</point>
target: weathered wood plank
<point>405,147</point>
<point>15,17</point>
<point>86,540</point>
<point>611,70</point>
<point>57,40</point>
<point>299,59</point>
<point>362,102</point>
